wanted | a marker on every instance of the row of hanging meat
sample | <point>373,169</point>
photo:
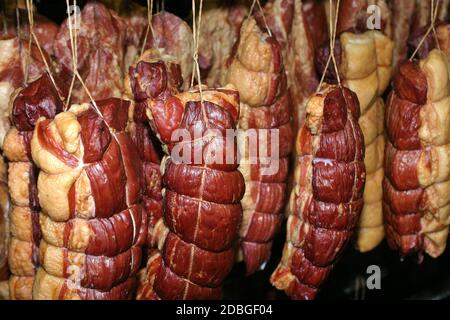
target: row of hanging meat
<point>95,207</point>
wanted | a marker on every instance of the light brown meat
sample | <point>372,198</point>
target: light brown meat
<point>219,32</point>
<point>92,218</point>
<point>257,69</point>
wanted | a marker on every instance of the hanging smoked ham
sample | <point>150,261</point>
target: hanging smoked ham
<point>176,44</point>
<point>198,193</point>
<point>143,86</point>
<point>92,218</point>
<point>327,197</point>
<point>101,37</point>
<point>256,68</point>
<point>21,63</point>
<point>417,180</point>
<point>297,25</point>
<point>44,28</point>
<point>365,66</point>
<point>38,98</point>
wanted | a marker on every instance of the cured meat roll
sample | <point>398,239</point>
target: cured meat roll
<point>18,60</point>
<point>142,84</point>
<point>202,186</point>
<point>38,98</point>
<point>92,218</point>
<point>365,67</point>
<point>416,198</point>
<point>327,198</point>
<point>256,68</point>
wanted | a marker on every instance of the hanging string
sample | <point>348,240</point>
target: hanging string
<point>433,17</point>
<point>433,14</point>
<point>331,57</point>
<point>74,54</point>
<point>34,37</point>
<point>196,27</point>
<point>262,14</point>
<point>149,25</point>
<point>74,47</point>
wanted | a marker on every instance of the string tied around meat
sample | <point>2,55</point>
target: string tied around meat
<point>432,28</point>
<point>196,28</point>
<point>262,14</point>
<point>331,57</point>
<point>34,37</point>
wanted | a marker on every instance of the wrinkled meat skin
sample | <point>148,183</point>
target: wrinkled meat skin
<point>327,198</point>
<point>262,108</point>
<point>91,249</point>
<point>12,73</point>
<point>101,40</point>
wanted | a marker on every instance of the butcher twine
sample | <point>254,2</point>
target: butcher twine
<point>74,48</point>
<point>433,14</point>
<point>333,27</point>
<point>149,26</point>
<point>33,37</point>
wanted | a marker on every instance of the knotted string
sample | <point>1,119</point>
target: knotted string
<point>74,47</point>
<point>196,27</point>
<point>262,13</point>
<point>331,57</point>
<point>433,14</point>
<point>34,37</point>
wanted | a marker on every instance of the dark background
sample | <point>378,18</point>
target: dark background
<point>401,278</point>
